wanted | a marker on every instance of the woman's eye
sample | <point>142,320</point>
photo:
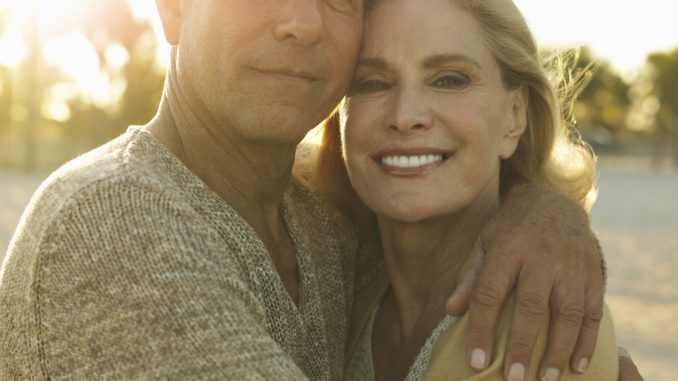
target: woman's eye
<point>371,86</point>
<point>344,6</point>
<point>452,81</point>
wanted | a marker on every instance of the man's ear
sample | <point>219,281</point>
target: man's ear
<point>517,121</point>
<point>170,16</point>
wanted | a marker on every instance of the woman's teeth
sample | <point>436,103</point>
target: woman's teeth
<point>410,161</point>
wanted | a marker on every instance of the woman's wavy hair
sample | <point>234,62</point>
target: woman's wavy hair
<point>550,153</point>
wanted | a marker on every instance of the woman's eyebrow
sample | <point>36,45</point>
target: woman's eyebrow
<point>441,59</point>
<point>431,62</point>
<point>375,63</point>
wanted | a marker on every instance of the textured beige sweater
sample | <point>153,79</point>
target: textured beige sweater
<point>127,266</point>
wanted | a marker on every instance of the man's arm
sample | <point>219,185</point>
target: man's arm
<point>446,360</point>
<point>539,242</point>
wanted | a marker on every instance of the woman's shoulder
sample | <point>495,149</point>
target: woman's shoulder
<point>448,355</point>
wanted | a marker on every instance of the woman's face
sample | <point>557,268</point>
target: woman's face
<point>428,117</point>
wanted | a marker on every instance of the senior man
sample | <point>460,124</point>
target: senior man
<point>185,249</point>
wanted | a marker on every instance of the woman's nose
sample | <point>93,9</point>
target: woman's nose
<point>409,113</point>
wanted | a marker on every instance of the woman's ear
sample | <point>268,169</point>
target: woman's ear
<point>170,16</point>
<point>517,121</point>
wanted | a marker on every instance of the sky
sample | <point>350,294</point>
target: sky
<point>622,32</point>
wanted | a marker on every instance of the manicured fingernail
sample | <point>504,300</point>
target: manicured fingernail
<point>582,365</point>
<point>516,372</point>
<point>478,359</point>
<point>551,374</point>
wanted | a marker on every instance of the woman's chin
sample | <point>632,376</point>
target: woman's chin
<point>409,215</point>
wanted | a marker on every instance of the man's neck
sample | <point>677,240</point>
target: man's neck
<point>250,176</point>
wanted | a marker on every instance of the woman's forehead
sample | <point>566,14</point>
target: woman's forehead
<point>421,29</point>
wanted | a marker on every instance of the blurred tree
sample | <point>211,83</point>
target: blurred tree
<point>5,77</point>
<point>604,102</point>
<point>115,35</point>
<point>59,119</point>
<point>33,97</point>
<point>596,96</point>
<point>664,75</point>
<point>5,98</point>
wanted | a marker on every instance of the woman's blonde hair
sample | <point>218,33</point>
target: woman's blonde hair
<point>550,153</point>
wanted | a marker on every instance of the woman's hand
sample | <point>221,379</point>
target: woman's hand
<point>540,242</point>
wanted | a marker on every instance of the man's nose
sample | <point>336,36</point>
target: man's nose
<point>408,113</point>
<point>300,21</point>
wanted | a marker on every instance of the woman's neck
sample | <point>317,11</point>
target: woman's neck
<point>424,259</point>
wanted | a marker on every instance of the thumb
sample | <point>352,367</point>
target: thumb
<point>459,301</point>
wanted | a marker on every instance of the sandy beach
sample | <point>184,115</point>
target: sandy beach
<point>636,219</point>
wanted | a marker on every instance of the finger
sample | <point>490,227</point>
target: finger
<point>567,313</point>
<point>494,281</point>
<point>529,316</point>
<point>459,301</point>
<point>627,369</point>
<point>588,334</point>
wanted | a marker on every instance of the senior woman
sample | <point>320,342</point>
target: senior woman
<point>449,109</point>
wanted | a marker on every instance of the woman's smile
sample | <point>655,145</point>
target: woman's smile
<point>411,162</point>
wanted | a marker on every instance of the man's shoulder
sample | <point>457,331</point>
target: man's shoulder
<point>129,155</point>
<point>316,213</point>
<point>109,179</point>
<point>134,157</point>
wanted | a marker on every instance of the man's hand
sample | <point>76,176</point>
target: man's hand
<point>540,242</point>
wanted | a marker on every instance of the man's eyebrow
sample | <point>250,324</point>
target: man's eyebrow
<point>441,59</point>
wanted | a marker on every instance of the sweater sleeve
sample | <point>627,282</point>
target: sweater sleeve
<point>130,284</point>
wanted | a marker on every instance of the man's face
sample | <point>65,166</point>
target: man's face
<point>268,70</point>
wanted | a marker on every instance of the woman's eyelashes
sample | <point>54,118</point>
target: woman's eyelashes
<point>451,81</point>
<point>344,6</point>
<point>368,86</point>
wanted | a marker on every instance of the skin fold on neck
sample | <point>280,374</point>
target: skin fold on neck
<point>423,261</point>
<point>250,176</point>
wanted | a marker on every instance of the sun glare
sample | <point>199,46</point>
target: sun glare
<point>76,57</point>
<point>12,50</point>
<point>618,31</point>
<point>62,47</point>
<point>610,37</point>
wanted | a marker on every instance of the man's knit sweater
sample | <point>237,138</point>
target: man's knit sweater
<point>126,265</point>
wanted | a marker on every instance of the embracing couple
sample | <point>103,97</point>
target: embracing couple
<point>195,248</point>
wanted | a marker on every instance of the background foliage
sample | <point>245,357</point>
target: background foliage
<point>46,118</point>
